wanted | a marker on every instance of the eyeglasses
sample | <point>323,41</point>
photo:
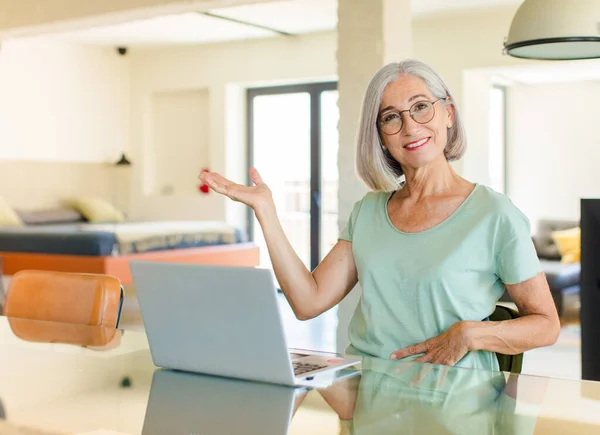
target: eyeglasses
<point>421,112</point>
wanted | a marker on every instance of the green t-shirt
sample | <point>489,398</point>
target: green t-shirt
<point>416,285</point>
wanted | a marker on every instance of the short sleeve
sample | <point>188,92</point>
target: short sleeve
<point>348,230</point>
<point>517,259</point>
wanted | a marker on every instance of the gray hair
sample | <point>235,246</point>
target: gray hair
<point>377,169</point>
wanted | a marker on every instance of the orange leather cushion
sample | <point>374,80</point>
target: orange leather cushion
<point>88,299</point>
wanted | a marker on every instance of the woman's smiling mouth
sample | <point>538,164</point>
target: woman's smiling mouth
<point>417,144</point>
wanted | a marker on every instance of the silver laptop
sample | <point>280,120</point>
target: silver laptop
<point>225,321</point>
<point>188,403</point>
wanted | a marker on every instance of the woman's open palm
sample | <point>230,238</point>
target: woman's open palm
<point>253,196</point>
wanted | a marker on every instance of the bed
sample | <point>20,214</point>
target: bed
<point>108,248</point>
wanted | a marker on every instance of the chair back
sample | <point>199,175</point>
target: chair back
<point>507,363</point>
<point>91,337</point>
<point>64,297</point>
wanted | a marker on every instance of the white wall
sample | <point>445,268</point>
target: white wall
<point>454,43</point>
<point>34,94</point>
<point>44,113</point>
<point>36,185</point>
<point>553,148</point>
<point>225,70</point>
<point>61,101</point>
<point>450,42</point>
<point>180,147</point>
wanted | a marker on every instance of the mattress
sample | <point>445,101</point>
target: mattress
<point>117,239</point>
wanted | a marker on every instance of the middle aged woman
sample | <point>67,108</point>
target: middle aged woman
<point>432,251</point>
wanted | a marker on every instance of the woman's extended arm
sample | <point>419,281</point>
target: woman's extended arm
<point>309,294</point>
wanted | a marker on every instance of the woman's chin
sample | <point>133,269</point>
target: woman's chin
<point>417,162</point>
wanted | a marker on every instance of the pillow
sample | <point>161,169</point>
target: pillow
<point>544,244</point>
<point>8,217</point>
<point>97,210</point>
<point>569,244</point>
<point>50,216</point>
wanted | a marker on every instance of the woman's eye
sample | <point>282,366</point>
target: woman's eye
<point>390,117</point>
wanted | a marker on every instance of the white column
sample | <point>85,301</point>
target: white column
<point>371,33</point>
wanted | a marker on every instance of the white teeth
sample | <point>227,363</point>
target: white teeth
<point>417,144</point>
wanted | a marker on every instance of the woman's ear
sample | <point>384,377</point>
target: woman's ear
<point>450,110</point>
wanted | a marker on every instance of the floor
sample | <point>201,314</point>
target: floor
<point>562,360</point>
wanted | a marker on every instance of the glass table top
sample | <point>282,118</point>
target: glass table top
<point>72,379</point>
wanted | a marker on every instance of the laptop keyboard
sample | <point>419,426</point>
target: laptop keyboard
<point>302,367</point>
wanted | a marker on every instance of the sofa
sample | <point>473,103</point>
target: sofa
<point>563,278</point>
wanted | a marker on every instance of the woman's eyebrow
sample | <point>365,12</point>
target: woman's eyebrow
<point>386,109</point>
<point>414,97</point>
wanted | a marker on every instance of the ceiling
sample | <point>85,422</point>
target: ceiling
<point>288,16</point>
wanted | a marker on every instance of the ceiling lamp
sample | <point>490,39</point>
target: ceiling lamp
<point>555,30</point>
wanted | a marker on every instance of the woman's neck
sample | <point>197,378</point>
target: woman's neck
<point>434,179</point>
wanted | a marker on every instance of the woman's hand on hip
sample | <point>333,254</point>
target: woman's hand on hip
<point>256,196</point>
<point>448,348</point>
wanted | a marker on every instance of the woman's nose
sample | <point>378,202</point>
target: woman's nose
<point>409,125</point>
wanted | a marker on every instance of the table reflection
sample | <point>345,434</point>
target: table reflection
<point>387,397</point>
<point>197,404</point>
<point>409,397</point>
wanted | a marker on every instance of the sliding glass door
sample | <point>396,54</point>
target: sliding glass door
<point>293,142</point>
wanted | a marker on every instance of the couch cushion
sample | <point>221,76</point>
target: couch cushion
<point>8,216</point>
<point>97,210</point>
<point>544,244</point>
<point>569,244</point>
<point>561,275</point>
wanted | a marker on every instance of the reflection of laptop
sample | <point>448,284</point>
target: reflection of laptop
<point>225,321</point>
<point>186,403</point>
